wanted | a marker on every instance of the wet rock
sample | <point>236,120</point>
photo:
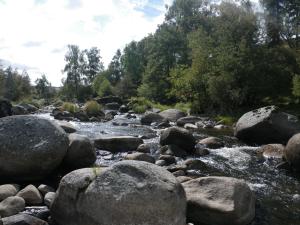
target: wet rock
<point>19,110</point>
<point>172,114</point>
<point>67,127</point>
<point>31,195</point>
<point>110,115</point>
<point>212,142</point>
<point>11,206</point>
<point>49,198</point>
<point>31,147</point>
<point>219,201</point>
<point>81,152</point>
<point>221,127</point>
<point>149,118</point>
<point>140,157</point>
<point>23,219</point>
<point>179,137</point>
<point>144,148</point>
<point>112,106</point>
<point>44,189</point>
<point>195,164</point>
<point>275,151</point>
<point>174,168</point>
<point>118,143</point>
<point>283,166</point>
<point>190,126</point>
<point>98,196</point>
<point>161,162</point>
<point>164,124</point>
<point>123,109</point>
<point>200,150</point>
<point>5,108</point>
<point>82,116</point>
<point>292,152</point>
<point>188,120</point>
<point>8,190</point>
<point>266,125</point>
<point>29,108</point>
<point>169,159</point>
<point>173,150</point>
<point>182,179</point>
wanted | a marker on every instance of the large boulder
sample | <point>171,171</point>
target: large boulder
<point>19,110</point>
<point>179,137</point>
<point>172,114</point>
<point>5,108</point>
<point>128,193</point>
<point>219,201</point>
<point>31,147</point>
<point>266,125</point>
<point>292,151</point>
<point>81,152</point>
<point>151,117</point>
<point>118,143</point>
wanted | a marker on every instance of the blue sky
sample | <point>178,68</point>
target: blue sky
<point>35,33</point>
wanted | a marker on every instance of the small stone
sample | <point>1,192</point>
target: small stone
<point>169,159</point>
<point>161,162</point>
<point>195,164</point>
<point>8,190</point>
<point>144,148</point>
<point>174,168</point>
<point>179,173</point>
<point>190,126</point>
<point>44,189</point>
<point>140,157</point>
<point>31,195</point>
<point>48,199</point>
<point>212,142</point>
<point>200,151</point>
<point>11,206</point>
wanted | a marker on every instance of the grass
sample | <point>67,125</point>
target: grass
<point>226,120</point>
<point>92,108</point>
<point>70,107</point>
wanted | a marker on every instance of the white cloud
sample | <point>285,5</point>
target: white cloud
<point>35,32</point>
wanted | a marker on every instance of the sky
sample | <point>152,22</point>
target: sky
<point>34,34</point>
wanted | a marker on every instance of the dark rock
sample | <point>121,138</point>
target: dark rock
<point>31,147</point>
<point>179,173</point>
<point>123,109</point>
<point>66,126</point>
<point>23,219</point>
<point>168,158</point>
<point>81,152</point>
<point>118,143</point>
<point>266,125</point>
<point>173,150</point>
<point>140,157</point>
<point>179,137</point>
<point>112,106</point>
<point>109,99</point>
<point>149,118</point>
<point>29,108</point>
<point>5,108</point>
<point>97,196</point>
<point>195,164</point>
<point>82,116</point>
<point>200,150</point>
<point>19,110</point>
<point>144,148</point>
<point>188,119</point>
<point>219,201</point>
<point>172,114</point>
<point>110,115</point>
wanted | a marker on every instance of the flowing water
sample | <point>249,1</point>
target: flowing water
<point>277,191</point>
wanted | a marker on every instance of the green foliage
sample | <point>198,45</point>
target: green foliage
<point>226,120</point>
<point>92,108</point>
<point>139,104</point>
<point>70,107</point>
<point>185,107</point>
<point>296,86</point>
<point>102,86</point>
<point>43,87</point>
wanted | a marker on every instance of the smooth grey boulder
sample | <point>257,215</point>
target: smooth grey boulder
<point>81,152</point>
<point>23,219</point>
<point>31,147</point>
<point>31,195</point>
<point>292,152</point>
<point>49,198</point>
<point>11,206</point>
<point>272,151</point>
<point>219,201</point>
<point>66,126</point>
<point>266,125</point>
<point>212,142</point>
<point>44,189</point>
<point>151,117</point>
<point>188,119</point>
<point>140,157</point>
<point>118,143</point>
<point>179,137</point>
<point>172,114</point>
<point>144,148</point>
<point>127,193</point>
<point>8,190</point>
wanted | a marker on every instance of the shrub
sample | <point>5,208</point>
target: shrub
<point>226,120</point>
<point>140,104</point>
<point>92,108</point>
<point>185,107</point>
<point>70,107</point>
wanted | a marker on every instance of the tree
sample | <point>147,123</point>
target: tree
<point>10,91</point>
<point>115,68</point>
<point>102,86</point>
<point>94,64</point>
<point>43,87</point>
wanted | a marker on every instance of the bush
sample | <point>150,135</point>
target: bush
<point>226,120</point>
<point>92,108</point>
<point>102,86</point>
<point>140,104</point>
<point>184,107</point>
<point>70,107</point>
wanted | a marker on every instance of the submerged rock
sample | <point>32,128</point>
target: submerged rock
<point>97,196</point>
<point>219,201</point>
<point>179,137</point>
<point>31,147</point>
<point>118,143</point>
<point>266,125</point>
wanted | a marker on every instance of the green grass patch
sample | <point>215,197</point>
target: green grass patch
<point>92,108</point>
<point>226,120</point>
<point>70,107</point>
